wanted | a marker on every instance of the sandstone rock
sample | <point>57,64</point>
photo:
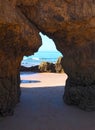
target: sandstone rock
<point>70,23</point>
<point>17,38</point>
<point>58,65</point>
<point>47,67</point>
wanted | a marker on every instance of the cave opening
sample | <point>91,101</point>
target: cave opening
<point>42,90</point>
<point>47,53</point>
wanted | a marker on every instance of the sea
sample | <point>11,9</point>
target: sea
<point>39,57</point>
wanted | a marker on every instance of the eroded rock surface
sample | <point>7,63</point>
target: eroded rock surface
<point>47,67</point>
<point>58,65</point>
<point>17,38</point>
<point>70,23</point>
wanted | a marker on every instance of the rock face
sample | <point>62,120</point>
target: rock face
<point>47,67</point>
<point>17,38</point>
<point>58,65</point>
<point>70,23</point>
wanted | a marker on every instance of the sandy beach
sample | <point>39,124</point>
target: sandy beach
<point>42,107</point>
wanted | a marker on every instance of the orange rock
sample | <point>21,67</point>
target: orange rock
<point>70,23</point>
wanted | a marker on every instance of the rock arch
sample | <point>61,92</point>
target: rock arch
<point>70,23</point>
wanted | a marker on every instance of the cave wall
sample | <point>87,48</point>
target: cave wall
<point>17,38</point>
<point>70,23</point>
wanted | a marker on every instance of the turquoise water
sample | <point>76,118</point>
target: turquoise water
<point>39,57</point>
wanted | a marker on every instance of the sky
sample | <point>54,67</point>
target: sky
<point>47,44</point>
<point>47,47</point>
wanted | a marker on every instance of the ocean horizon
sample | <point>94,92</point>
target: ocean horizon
<point>40,56</point>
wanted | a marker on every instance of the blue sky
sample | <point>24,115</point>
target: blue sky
<point>48,44</point>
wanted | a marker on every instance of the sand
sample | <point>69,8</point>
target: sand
<point>42,107</point>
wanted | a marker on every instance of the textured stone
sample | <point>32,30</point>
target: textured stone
<point>47,67</point>
<point>58,65</point>
<point>17,38</point>
<point>70,23</point>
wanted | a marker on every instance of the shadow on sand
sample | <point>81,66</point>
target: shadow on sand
<point>30,81</point>
<point>44,109</point>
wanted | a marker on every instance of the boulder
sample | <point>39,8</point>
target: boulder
<point>47,67</point>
